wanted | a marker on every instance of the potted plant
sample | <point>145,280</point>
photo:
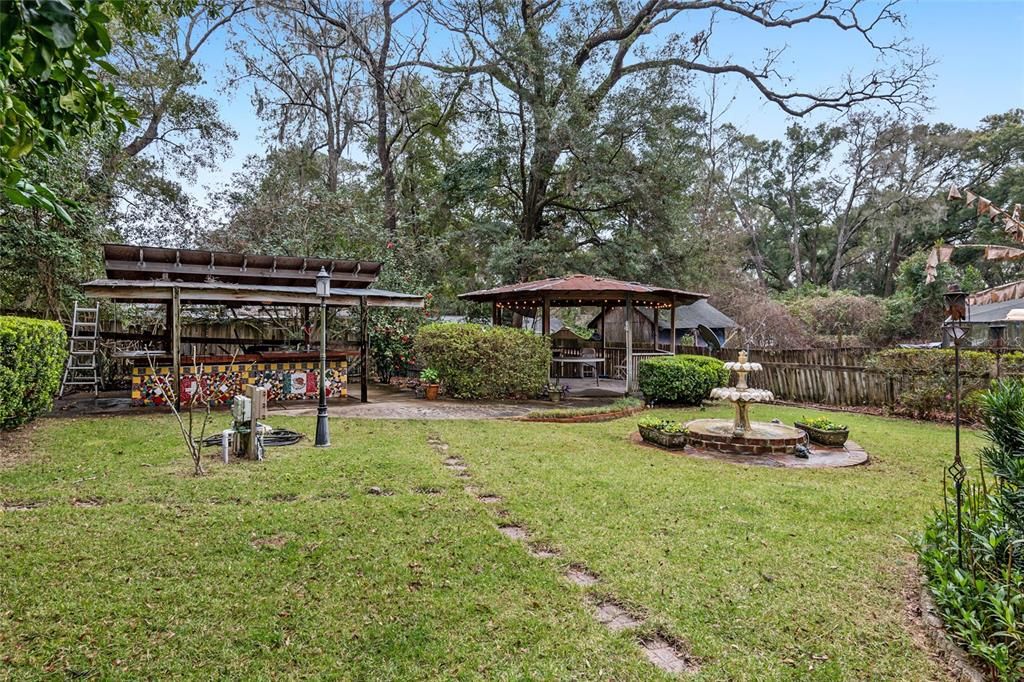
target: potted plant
<point>430,378</point>
<point>663,432</point>
<point>554,393</point>
<point>824,431</point>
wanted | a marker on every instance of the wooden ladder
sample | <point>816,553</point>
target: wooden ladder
<point>81,369</point>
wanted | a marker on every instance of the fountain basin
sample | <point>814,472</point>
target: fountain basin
<point>760,439</point>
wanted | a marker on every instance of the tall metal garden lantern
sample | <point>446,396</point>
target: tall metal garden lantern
<point>956,324</point>
<point>323,290</point>
<point>997,336</point>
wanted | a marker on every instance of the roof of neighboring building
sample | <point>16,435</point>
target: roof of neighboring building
<point>577,289</point>
<point>700,312</point>
<point>994,312</point>
<point>688,317</point>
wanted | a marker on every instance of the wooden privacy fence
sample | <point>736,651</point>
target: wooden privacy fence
<point>829,376</point>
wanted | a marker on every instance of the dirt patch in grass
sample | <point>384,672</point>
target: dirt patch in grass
<point>20,505</point>
<point>273,542</point>
<point>16,446</point>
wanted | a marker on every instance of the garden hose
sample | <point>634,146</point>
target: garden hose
<point>271,439</point>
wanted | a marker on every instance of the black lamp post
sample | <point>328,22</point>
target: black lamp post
<point>323,290</point>
<point>996,333</point>
<point>956,326</point>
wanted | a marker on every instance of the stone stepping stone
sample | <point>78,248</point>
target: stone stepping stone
<point>432,492</point>
<point>666,656</point>
<point>19,506</point>
<point>614,617</point>
<point>543,552</point>
<point>489,499</point>
<point>513,532</point>
<point>380,492</point>
<point>581,576</point>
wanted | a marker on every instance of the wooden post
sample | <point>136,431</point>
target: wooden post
<point>629,343</point>
<point>257,396</point>
<point>546,319</point>
<point>495,314</point>
<point>604,340</point>
<point>672,323</point>
<point>364,350</point>
<point>175,317</point>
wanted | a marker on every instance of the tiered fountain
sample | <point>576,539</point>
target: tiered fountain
<point>741,436</point>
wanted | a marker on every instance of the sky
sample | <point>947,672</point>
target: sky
<point>976,44</point>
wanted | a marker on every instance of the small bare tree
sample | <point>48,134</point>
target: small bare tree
<point>186,424</point>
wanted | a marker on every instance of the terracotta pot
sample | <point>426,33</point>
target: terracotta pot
<point>833,439</point>
<point>430,390</point>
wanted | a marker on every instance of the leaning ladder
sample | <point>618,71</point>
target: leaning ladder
<point>82,348</point>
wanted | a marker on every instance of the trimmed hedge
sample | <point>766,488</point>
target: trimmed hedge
<point>32,356</point>
<point>686,379</point>
<point>476,361</point>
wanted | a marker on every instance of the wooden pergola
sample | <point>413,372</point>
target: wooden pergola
<point>577,290</point>
<point>179,277</point>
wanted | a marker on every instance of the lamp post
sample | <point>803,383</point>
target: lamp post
<point>996,332</point>
<point>323,290</point>
<point>956,325</point>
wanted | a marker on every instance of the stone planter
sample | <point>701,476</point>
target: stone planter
<point>832,439</point>
<point>430,391</point>
<point>673,441</point>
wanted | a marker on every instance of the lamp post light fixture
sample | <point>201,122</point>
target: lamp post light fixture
<point>956,324</point>
<point>323,290</point>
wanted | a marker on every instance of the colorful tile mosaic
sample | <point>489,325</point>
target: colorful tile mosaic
<point>283,380</point>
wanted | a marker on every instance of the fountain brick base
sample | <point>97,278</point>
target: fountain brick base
<point>760,439</point>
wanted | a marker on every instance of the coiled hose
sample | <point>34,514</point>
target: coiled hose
<point>273,438</point>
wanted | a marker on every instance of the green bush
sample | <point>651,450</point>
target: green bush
<point>927,377</point>
<point>982,600</point>
<point>686,379</point>
<point>32,356</point>
<point>481,362</point>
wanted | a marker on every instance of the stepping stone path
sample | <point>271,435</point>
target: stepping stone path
<point>659,650</point>
<point>614,616</point>
<point>513,532</point>
<point>581,576</point>
<point>667,657</point>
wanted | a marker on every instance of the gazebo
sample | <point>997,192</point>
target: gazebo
<point>525,298</point>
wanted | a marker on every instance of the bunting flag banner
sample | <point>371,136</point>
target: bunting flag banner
<point>993,213</point>
<point>1016,212</point>
<point>971,196</point>
<point>983,205</point>
<point>954,193</point>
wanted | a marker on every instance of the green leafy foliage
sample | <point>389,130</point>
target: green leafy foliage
<point>663,425</point>
<point>429,375</point>
<point>32,355</point>
<point>684,379</point>
<point>475,361</point>
<point>822,424</point>
<point>50,88</point>
<point>928,378</point>
<point>982,601</point>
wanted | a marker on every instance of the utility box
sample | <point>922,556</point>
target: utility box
<point>257,395</point>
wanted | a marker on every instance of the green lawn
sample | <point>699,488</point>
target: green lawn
<point>293,568</point>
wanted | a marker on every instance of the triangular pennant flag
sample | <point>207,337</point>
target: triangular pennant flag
<point>1009,224</point>
<point>1016,211</point>
<point>971,196</point>
<point>993,212</point>
<point>983,205</point>
<point>954,193</point>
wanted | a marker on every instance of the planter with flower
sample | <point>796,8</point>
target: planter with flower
<point>824,431</point>
<point>663,432</point>
<point>431,385</point>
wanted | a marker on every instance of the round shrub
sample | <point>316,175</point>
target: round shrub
<point>686,379</point>
<point>480,362</point>
<point>32,356</point>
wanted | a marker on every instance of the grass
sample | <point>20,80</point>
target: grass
<point>294,568</point>
<point>619,405</point>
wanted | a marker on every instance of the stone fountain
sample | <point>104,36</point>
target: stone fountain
<point>741,436</point>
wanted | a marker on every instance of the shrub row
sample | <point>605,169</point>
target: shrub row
<point>928,378</point>
<point>32,356</point>
<point>685,379</point>
<point>481,362</point>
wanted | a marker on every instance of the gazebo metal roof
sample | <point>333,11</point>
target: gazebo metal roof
<point>583,289</point>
